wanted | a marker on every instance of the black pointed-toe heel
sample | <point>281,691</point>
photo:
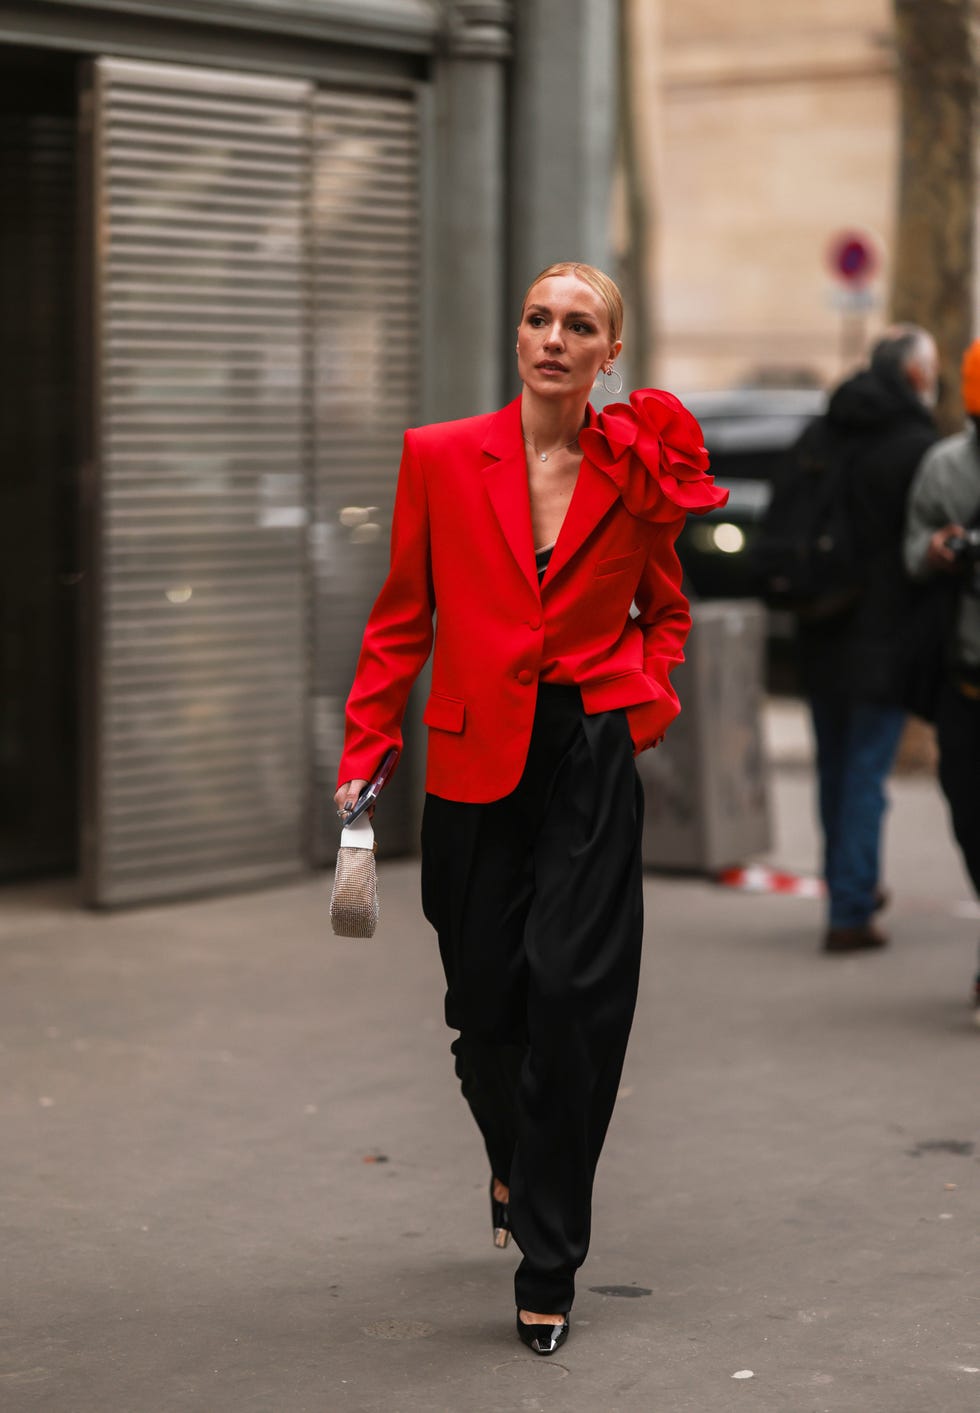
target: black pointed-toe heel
<point>500,1217</point>
<point>542,1339</point>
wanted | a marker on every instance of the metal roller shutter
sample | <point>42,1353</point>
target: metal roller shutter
<point>366,276</point>
<point>199,670</point>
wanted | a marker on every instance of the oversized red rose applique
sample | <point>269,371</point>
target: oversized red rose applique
<point>653,450</point>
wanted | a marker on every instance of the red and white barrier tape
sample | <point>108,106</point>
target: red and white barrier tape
<point>756,878</point>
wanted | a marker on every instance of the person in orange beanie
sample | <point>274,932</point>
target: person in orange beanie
<point>943,538</point>
<point>971,379</point>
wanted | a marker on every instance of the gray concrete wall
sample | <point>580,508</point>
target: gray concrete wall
<point>468,206</point>
<point>563,135</point>
<point>402,24</point>
<point>523,176</point>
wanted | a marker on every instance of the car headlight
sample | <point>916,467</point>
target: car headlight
<point>727,537</point>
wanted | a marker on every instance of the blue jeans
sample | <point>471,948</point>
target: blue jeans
<point>856,746</point>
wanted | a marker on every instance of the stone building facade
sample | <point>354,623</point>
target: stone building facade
<point>771,128</point>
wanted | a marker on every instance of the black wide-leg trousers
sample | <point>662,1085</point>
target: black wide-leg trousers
<point>538,904</point>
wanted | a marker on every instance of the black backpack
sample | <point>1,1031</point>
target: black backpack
<point>807,557</point>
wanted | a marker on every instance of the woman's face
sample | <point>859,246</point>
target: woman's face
<point>563,338</point>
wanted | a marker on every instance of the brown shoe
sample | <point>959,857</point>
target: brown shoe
<point>854,939</point>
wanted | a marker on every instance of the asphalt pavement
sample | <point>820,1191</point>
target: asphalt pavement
<point>236,1175</point>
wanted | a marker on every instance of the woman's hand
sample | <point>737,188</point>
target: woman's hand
<point>937,554</point>
<point>346,797</point>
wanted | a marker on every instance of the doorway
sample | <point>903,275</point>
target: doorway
<point>39,578</point>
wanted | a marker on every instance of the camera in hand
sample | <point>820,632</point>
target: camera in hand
<point>966,551</point>
<point>965,547</point>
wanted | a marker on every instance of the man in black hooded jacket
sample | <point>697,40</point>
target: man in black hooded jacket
<point>880,424</point>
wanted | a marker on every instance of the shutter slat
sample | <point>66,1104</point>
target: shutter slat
<point>204,435</point>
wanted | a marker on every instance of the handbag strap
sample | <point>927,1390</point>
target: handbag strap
<point>359,835</point>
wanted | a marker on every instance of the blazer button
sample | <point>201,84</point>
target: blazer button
<point>534,624</point>
<point>525,677</point>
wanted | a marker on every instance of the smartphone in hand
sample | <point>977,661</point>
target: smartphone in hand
<point>373,789</point>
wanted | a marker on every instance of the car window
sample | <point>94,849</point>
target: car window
<point>752,465</point>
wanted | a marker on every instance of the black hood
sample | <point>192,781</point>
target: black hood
<point>870,399</point>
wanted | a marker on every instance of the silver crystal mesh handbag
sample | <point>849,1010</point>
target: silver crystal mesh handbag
<point>354,900</point>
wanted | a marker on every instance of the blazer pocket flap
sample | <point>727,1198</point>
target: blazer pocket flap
<point>444,713</point>
<point>619,563</point>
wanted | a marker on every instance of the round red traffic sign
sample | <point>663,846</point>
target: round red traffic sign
<point>853,257</point>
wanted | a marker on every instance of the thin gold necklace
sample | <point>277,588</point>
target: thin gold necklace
<point>543,455</point>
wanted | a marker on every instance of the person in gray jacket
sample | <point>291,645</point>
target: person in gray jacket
<point>943,537</point>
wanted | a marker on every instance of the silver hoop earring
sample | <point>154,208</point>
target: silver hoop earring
<point>605,374</point>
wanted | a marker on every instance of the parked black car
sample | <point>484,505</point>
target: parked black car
<point>748,433</point>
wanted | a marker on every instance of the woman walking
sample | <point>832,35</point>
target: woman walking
<point>530,534</point>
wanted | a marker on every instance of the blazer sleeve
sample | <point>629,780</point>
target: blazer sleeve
<point>665,621</point>
<point>398,637</point>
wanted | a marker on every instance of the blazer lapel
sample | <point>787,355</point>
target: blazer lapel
<point>505,478</point>
<point>592,497</point>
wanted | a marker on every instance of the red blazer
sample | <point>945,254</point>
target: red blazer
<point>462,550</point>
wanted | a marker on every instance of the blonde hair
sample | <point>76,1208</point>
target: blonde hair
<point>604,287</point>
